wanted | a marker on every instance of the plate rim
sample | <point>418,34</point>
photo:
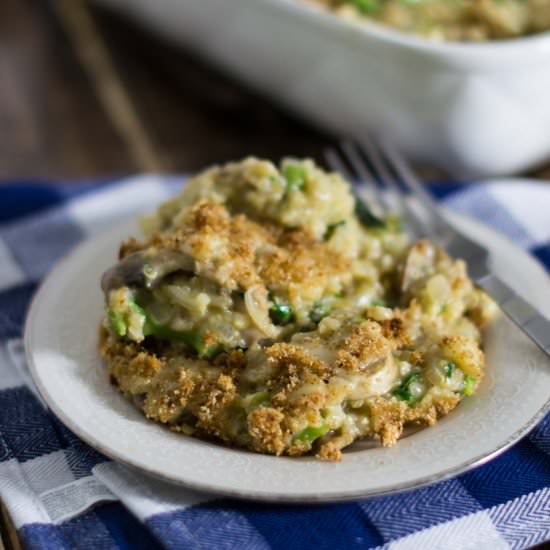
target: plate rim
<point>315,498</point>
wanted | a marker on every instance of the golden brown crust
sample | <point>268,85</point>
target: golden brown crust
<point>265,427</point>
<point>332,449</point>
<point>366,345</point>
<point>293,359</point>
<point>330,452</point>
<point>389,417</point>
<point>130,366</point>
<point>239,253</point>
<point>465,353</point>
<point>394,330</point>
<point>299,259</point>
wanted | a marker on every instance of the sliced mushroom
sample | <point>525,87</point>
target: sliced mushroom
<point>145,269</point>
<point>127,272</point>
<point>315,346</point>
<point>257,306</point>
<point>378,379</point>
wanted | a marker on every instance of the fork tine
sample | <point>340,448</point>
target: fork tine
<point>365,175</point>
<point>376,157</point>
<point>336,163</point>
<point>411,181</point>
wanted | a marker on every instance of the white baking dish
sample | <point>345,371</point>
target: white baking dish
<point>476,109</point>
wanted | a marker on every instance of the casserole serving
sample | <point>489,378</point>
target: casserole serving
<point>271,309</point>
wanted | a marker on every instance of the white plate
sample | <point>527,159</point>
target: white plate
<point>61,339</point>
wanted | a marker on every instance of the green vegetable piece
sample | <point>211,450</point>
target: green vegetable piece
<point>311,433</point>
<point>209,352</point>
<point>117,323</point>
<point>377,303</point>
<point>280,313</point>
<point>190,338</point>
<point>136,308</point>
<point>365,215</point>
<point>295,176</point>
<point>449,369</point>
<point>403,391</point>
<point>366,6</point>
<point>254,400</point>
<point>331,229</point>
<point>319,311</point>
<point>469,385</point>
<point>195,341</point>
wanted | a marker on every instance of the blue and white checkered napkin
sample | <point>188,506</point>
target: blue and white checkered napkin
<point>62,494</point>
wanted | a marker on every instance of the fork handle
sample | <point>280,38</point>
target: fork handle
<point>523,314</point>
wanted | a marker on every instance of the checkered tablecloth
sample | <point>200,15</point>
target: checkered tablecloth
<point>62,494</point>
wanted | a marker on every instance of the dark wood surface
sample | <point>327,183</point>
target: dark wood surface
<point>55,126</point>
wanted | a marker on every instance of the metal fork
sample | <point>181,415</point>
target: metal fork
<point>385,171</point>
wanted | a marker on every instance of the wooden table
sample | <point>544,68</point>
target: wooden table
<point>84,93</point>
<point>56,124</point>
